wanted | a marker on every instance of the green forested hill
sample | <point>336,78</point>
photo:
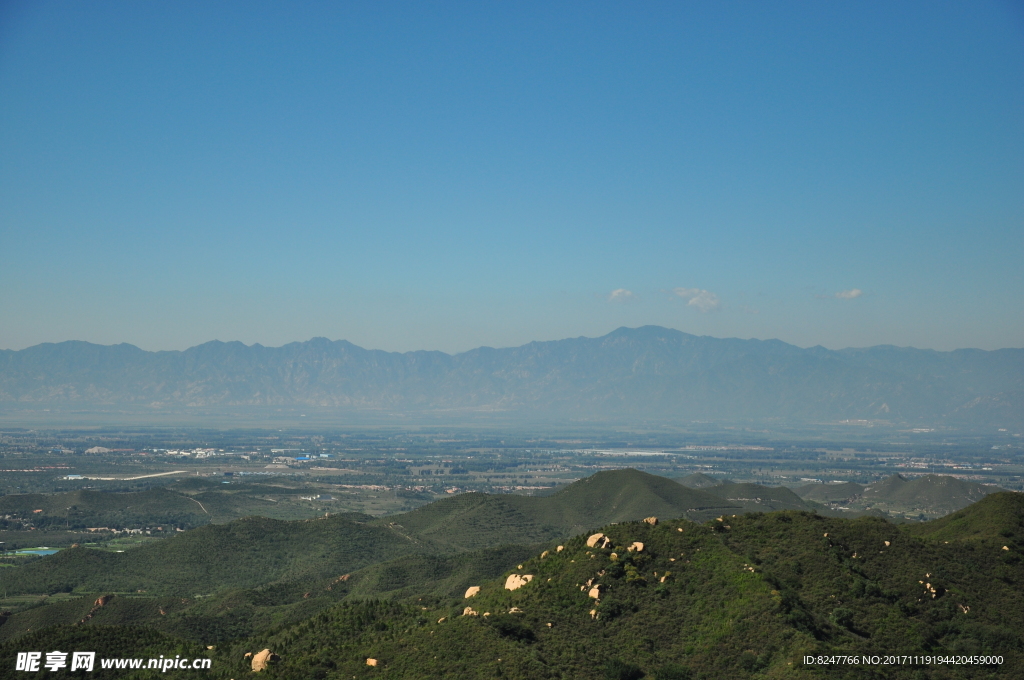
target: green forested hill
<point>743,597</point>
<point>997,519</point>
<point>242,554</point>
<point>829,493</point>
<point>254,551</point>
<point>927,496</point>
<point>479,520</point>
<point>755,497</point>
<point>699,480</point>
<point>740,595</point>
<point>932,495</point>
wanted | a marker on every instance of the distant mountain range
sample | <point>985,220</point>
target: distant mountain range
<point>648,374</point>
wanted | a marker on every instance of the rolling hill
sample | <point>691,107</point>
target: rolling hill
<point>830,493</point>
<point>758,498</point>
<point>929,496</point>
<point>479,520</point>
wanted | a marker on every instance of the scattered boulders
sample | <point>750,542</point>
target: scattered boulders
<point>560,548</point>
<point>595,592</point>
<point>637,546</point>
<point>653,521</point>
<point>598,541</point>
<point>544,554</point>
<point>442,619</point>
<point>515,610</point>
<point>469,611</point>
<point>472,590</point>
<point>887,544</point>
<point>371,662</point>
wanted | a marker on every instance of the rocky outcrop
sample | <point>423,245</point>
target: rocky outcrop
<point>262,660</point>
<point>515,581</point>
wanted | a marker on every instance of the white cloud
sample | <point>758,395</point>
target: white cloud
<point>698,298</point>
<point>849,294</point>
<point>621,295</point>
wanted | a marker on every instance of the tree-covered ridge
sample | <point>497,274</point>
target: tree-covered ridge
<point>476,520</point>
<point>746,596</point>
<point>735,597</point>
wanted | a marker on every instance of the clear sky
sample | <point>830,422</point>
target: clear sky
<point>448,175</point>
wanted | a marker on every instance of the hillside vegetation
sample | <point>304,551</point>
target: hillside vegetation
<point>746,596</point>
<point>737,595</point>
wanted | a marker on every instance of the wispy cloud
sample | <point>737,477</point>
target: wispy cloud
<point>621,295</point>
<point>698,298</point>
<point>849,294</point>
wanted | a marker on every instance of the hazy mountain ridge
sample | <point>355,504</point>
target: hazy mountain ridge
<point>642,373</point>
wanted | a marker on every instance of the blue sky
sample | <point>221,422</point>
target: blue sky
<point>449,175</point>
